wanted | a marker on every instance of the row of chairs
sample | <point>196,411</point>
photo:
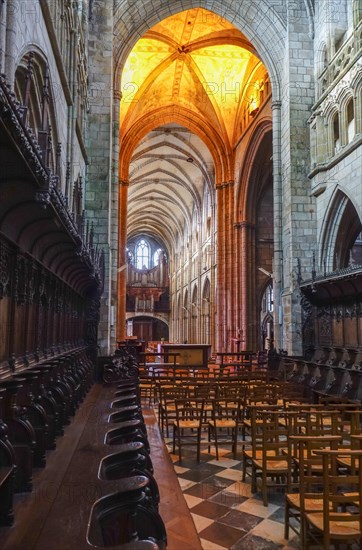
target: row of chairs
<point>127,518</point>
<point>313,451</point>
<point>152,378</point>
<point>219,407</point>
<point>189,420</point>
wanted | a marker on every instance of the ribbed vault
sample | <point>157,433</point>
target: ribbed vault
<point>185,86</point>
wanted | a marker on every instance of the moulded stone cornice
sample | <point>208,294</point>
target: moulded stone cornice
<point>344,152</point>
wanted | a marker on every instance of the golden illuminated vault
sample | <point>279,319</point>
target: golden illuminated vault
<point>198,61</point>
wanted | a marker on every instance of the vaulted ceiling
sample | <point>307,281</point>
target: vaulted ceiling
<point>184,86</point>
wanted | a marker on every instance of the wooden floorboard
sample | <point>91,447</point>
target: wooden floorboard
<point>57,510</point>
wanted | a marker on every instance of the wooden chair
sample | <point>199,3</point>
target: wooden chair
<point>308,419</point>
<point>223,427</point>
<point>126,516</point>
<point>341,517</point>
<point>304,481</point>
<point>187,424</point>
<point>252,425</point>
<point>147,384</point>
<point>208,392</point>
<point>167,407</point>
<point>269,463</point>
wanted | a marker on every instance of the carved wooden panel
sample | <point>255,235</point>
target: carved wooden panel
<point>39,314</point>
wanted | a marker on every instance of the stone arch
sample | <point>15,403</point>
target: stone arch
<point>186,314</point>
<point>254,251</point>
<point>256,20</point>
<point>33,87</point>
<point>194,310</point>
<point>342,225</point>
<point>205,312</point>
<point>332,118</point>
<point>166,115</point>
<point>247,194</point>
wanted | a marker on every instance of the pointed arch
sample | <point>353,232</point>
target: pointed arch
<point>341,228</point>
<point>205,312</point>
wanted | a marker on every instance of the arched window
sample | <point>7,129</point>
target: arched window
<point>156,257</point>
<point>342,235</point>
<point>142,255</point>
<point>336,139</point>
<point>357,11</point>
<point>268,300</point>
<point>350,120</point>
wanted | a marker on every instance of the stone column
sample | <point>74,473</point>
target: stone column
<point>99,190</point>
<point>113,260</point>
<point>298,210</point>
<point>230,273</point>
<point>220,276</point>
<point>278,224</point>
<point>10,42</point>
<point>225,313</point>
<point>3,7</point>
<point>122,260</point>
<point>247,285</point>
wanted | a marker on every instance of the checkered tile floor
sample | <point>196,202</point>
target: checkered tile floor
<point>225,512</point>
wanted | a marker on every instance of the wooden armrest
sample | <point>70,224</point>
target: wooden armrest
<point>5,472</point>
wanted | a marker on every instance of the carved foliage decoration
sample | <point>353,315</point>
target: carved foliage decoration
<point>5,270</point>
<point>324,322</point>
<point>92,319</point>
<point>308,323</point>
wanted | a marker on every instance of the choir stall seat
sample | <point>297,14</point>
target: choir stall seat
<point>21,434</point>
<point>7,472</point>
<point>126,517</point>
<point>129,462</point>
<point>35,414</point>
<point>131,430</point>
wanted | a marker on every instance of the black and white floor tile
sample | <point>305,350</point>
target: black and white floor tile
<point>225,512</point>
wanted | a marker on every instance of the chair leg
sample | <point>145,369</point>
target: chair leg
<point>179,443</point>
<point>253,479</point>
<point>244,467</point>
<point>264,490</point>
<point>198,443</point>
<point>286,521</point>
<point>235,442</point>
<point>216,443</point>
<point>174,440</point>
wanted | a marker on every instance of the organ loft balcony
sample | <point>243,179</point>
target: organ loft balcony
<point>148,289</point>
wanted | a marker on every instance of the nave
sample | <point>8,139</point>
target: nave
<point>95,490</point>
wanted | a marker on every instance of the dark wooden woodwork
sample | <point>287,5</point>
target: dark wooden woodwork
<point>35,413</point>
<point>21,434</point>
<point>44,396</point>
<point>7,471</point>
<point>332,316</point>
<point>128,462</point>
<point>126,516</point>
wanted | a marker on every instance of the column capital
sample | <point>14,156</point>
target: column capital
<point>244,225</point>
<point>276,104</point>
<point>117,94</point>
<point>225,185</point>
